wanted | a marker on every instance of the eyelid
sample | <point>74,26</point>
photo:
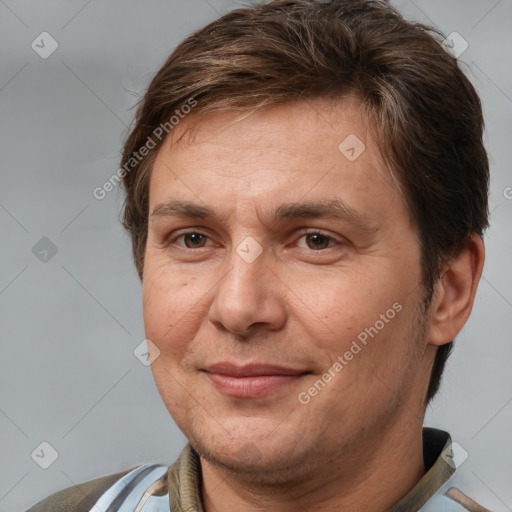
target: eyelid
<point>319,231</point>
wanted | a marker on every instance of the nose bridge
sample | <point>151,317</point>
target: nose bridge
<point>245,279</point>
<point>247,295</point>
<point>246,267</point>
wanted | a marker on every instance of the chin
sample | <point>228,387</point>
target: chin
<point>244,457</point>
<point>266,464</point>
<point>244,443</point>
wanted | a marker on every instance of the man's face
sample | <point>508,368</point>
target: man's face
<point>283,288</point>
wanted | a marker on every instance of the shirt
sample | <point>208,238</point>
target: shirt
<point>158,488</point>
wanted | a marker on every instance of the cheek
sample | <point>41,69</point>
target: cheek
<point>170,303</point>
<point>337,306</point>
<point>367,321</point>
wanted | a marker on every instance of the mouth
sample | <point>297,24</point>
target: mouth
<point>251,381</point>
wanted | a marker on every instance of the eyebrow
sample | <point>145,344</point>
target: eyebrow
<point>327,209</point>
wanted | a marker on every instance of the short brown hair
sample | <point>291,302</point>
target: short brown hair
<point>427,114</point>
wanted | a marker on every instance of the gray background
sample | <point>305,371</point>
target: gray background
<point>68,375</point>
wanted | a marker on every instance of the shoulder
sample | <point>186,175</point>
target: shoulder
<point>83,497</point>
<point>459,494</point>
<point>78,497</point>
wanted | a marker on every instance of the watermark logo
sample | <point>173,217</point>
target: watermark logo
<point>44,455</point>
<point>249,249</point>
<point>44,45</point>
<point>352,147</point>
<point>146,352</point>
<point>455,455</point>
<point>455,44</point>
<point>44,250</point>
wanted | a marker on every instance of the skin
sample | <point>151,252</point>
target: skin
<point>301,303</point>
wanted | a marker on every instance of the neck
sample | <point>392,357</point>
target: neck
<point>371,473</point>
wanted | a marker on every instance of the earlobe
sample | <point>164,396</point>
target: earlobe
<point>455,292</point>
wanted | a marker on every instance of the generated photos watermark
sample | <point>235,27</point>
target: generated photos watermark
<point>356,346</point>
<point>158,134</point>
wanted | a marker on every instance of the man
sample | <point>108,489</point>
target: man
<point>306,193</point>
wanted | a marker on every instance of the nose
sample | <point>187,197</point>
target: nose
<point>249,298</point>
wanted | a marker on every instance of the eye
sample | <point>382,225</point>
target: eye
<point>193,240</point>
<point>315,240</point>
<point>318,241</point>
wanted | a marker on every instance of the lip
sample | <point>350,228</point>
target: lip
<point>252,380</point>
<point>251,370</point>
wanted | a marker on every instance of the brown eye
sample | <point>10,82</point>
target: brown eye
<point>317,241</point>
<point>194,240</point>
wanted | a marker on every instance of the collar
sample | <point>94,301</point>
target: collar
<point>439,468</point>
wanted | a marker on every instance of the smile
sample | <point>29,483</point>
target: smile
<point>251,381</point>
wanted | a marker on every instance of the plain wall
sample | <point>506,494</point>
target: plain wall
<point>70,324</point>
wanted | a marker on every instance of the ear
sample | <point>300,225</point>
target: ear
<point>455,292</point>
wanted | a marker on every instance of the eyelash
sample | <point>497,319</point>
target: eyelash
<point>306,233</point>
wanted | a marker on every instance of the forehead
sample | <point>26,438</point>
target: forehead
<point>308,148</point>
<point>292,127</point>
